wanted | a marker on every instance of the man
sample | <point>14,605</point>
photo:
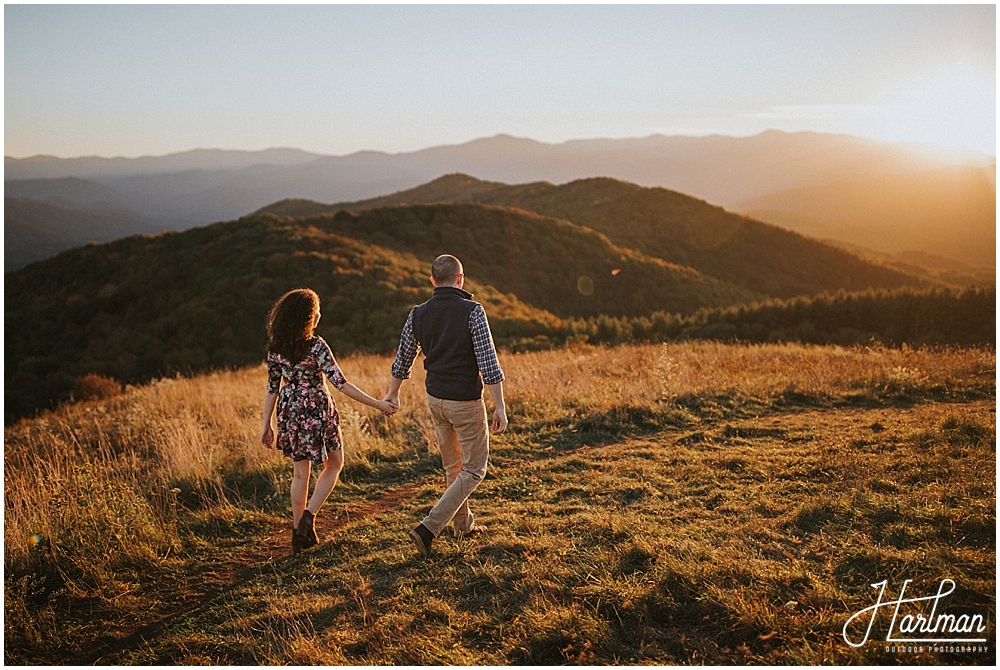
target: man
<point>459,358</point>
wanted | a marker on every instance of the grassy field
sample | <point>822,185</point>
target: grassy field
<point>687,503</point>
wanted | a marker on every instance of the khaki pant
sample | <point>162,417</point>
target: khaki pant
<point>464,440</point>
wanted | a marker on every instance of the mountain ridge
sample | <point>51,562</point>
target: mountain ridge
<point>660,223</point>
<point>43,167</point>
<point>181,190</point>
<point>544,258</point>
<point>802,148</point>
<point>34,230</point>
<point>955,156</point>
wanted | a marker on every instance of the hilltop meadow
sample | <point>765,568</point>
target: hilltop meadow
<point>692,502</point>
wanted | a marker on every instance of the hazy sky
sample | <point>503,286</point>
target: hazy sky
<point>130,80</point>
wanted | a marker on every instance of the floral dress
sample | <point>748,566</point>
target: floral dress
<point>308,422</point>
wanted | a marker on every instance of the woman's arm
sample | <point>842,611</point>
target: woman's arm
<point>266,432</point>
<point>332,371</point>
<point>354,393</point>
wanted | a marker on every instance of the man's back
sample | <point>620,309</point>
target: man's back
<point>441,326</point>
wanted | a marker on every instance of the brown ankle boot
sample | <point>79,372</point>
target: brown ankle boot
<point>306,531</point>
<point>297,541</point>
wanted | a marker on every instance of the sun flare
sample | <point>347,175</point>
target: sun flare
<point>954,109</point>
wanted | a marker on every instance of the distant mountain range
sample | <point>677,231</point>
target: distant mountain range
<point>198,187</point>
<point>96,167</point>
<point>34,229</point>
<point>45,216</point>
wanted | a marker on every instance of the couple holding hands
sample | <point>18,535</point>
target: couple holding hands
<point>459,357</point>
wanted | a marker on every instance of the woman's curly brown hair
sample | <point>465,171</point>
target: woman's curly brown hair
<point>290,324</point>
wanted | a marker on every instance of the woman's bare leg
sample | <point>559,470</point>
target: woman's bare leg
<point>299,489</point>
<point>327,480</point>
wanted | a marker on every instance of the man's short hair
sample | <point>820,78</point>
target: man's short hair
<point>445,269</point>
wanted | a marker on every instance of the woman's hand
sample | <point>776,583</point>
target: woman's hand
<point>387,407</point>
<point>266,433</point>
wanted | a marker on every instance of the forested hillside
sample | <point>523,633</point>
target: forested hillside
<point>892,318</point>
<point>551,264</point>
<point>664,224</point>
<point>143,307</point>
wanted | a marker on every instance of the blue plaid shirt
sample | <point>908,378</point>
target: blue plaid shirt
<point>482,344</point>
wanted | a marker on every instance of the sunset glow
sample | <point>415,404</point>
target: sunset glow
<point>402,78</point>
<point>953,110</point>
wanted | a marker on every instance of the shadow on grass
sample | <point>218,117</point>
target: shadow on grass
<point>583,426</point>
<point>675,617</point>
<point>814,516</point>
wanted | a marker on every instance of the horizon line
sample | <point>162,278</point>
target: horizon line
<point>920,145</point>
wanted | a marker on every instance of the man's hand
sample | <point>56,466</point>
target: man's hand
<point>392,395</point>
<point>500,413</point>
<point>499,420</point>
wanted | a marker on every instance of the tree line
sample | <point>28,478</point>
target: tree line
<point>890,317</point>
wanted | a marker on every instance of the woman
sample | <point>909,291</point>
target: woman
<point>308,422</point>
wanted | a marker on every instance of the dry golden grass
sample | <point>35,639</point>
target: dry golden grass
<point>182,430</point>
<point>644,374</point>
<point>108,502</point>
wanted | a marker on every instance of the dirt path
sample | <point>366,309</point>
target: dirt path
<point>277,547</point>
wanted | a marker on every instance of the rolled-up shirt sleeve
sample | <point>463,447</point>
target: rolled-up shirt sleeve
<point>482,344</point>
<point>407,351</point>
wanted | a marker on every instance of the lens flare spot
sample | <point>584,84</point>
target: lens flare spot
<point>35,540</point>
<point>585,285</point>
<point>616,271</point>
